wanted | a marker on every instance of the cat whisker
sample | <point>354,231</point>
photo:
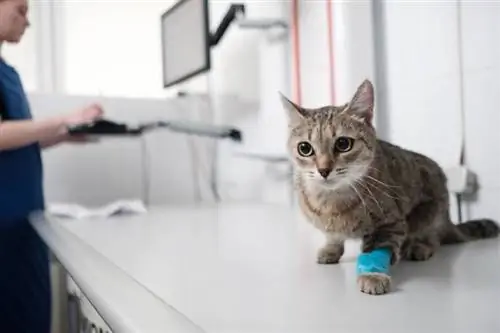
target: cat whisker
<point>397,197</point>
<point>353,186</point>
<point>371,194</point>
<point>381,182</point>
<point>391,188</point>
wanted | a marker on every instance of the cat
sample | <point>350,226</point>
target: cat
<point>352,185</point>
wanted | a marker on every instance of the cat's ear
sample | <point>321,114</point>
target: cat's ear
<point>294,112</point>
<point>361,105</point>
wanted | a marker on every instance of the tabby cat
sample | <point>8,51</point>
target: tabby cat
<point>352,185</point>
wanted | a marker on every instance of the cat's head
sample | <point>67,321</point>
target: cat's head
<point>333,146</point>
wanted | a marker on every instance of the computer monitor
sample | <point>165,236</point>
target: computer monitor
<point>186,41</point>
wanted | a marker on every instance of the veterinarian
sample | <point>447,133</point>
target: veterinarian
<point>25,293</point>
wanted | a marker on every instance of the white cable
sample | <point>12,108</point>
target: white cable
<point>462,159</point>
<point>146,172</point>
<point>461,82</point>
<point>194,160</point>
<point>193,146</point>
<point>212,106</point>
<point>194,163</point>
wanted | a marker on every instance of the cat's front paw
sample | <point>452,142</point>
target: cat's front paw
<point>374,283</point>
<point>419,252</point>
<point>330,255</point>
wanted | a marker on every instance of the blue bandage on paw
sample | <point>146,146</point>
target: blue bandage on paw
<point>377,261</point>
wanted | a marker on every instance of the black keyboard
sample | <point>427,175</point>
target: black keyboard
<point>104,127</point>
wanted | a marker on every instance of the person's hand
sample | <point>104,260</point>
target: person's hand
<point>84,116</point>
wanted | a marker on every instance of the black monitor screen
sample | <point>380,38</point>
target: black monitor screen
<point>185,41</point>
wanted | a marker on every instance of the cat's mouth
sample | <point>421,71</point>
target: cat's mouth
<point>336,176</point>
<point>335,180</point>
<point>330,183</point>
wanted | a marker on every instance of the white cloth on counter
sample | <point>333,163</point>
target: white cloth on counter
<point>76,211</point>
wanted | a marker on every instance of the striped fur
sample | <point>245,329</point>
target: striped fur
<point>469,231</point>
<point>372,190</point>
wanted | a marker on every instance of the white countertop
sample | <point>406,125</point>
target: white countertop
<point>252,269</point>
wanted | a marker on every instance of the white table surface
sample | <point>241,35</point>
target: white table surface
<point>252,269</point>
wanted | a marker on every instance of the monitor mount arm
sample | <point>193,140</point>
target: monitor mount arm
<point>232,14</point>
<point>236,13</point>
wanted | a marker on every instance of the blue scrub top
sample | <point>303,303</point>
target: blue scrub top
<point>21,172</point>
<point>25,292</point>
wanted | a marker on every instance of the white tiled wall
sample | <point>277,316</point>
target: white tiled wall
<point>353,54</point>
<point>481,52</point>
<point>423,78</point>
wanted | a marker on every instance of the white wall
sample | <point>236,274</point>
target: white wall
<point>118,52</point>
<point>432,49</point>
<point>23,56</point>
<point>111,47</point>
<point>423,76</point>
<point>353,54</point>
<point>421,79</point>
<point>481,70</point>
<point>236,58</point>
<point>100,52</point>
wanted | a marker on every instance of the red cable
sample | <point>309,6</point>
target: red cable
<point>296,52</point>
<point>330,48</point>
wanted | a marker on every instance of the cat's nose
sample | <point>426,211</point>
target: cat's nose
<point>324,172</point>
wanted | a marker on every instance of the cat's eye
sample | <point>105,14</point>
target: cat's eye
<point>305,149</point>
<point>343,144</point>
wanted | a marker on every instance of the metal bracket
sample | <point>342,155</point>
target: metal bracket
<point>277,28</point>
<point>263,24</point>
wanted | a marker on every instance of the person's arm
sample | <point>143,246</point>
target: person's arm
<point>54,141</point>
<point>49,132</point>
<point>19,133</point>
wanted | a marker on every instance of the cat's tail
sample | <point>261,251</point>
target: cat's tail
<point>469,231</point>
